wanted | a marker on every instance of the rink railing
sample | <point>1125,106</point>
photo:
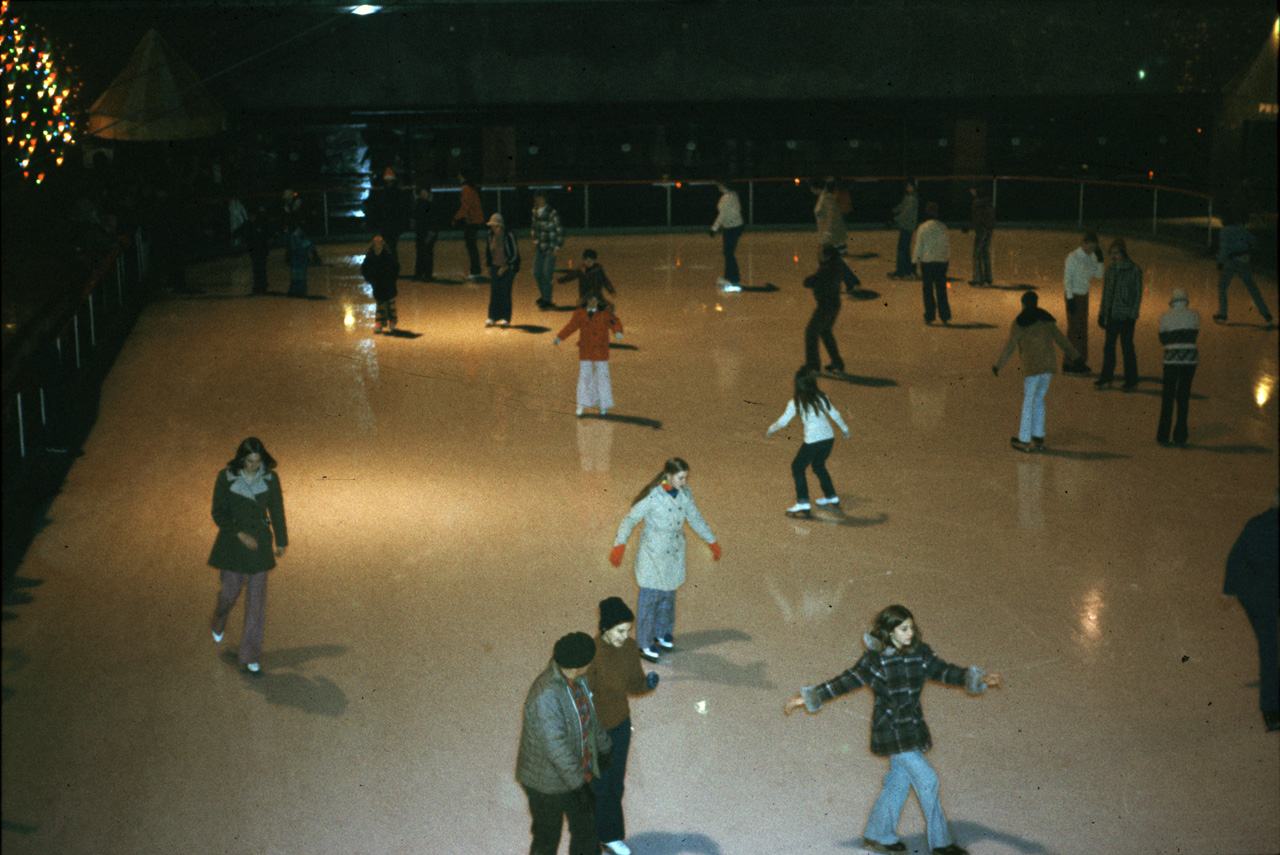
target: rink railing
<point>55,365</point>
<point>782,202</point>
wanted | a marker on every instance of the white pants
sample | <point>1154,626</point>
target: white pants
<point>594,389</point>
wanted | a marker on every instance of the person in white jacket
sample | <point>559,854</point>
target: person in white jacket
<point>816,413</point>
<point>730,224</point>
<point>1083,266</point>
<point>932,253</point>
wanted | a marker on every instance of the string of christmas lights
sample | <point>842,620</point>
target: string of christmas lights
<point>39,97</point>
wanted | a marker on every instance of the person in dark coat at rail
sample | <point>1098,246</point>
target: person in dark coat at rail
<point>825,284</point>
<point>248,507</point>
<point>381,269</point>
<point>1252,578</point>
<point>982,219</point>
<point>256,234</point>
<point>388,209</point>
<point>426,232</point>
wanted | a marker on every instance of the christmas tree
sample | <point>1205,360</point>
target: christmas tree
<point>39,125</point>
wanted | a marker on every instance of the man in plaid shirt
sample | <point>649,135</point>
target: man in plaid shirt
<point>549,237</point>
<point>896,665</point>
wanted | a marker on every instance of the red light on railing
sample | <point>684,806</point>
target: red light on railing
<point>677,187</point>
<point>797,182</point>
<point>796,259</point>
<point>1150,175</point>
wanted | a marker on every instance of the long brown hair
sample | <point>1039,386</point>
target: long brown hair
<point>250,445</point>
<point>808,395</point>
<point>674,466</point>
<point>890,619</point>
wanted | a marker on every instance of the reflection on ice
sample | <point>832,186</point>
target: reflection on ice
<point>1090,615</point>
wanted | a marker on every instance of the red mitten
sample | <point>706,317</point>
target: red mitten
<point>615,555</point>
<point>715,549</point>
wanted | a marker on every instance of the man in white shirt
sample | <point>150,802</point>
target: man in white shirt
<point>730,223</point>
<point>1082,267</point>
<point>933,252</point>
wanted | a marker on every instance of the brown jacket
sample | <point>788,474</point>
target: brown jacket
<point>1034,343</point>
<point>616,673</point>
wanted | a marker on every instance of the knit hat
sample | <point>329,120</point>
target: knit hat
<point>575,650</point>
<point>1179,295</point>
<point>614,611</point>
<point>388,173</point>
<point>496,220</point>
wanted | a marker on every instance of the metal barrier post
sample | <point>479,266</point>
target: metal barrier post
<point>324,201</point>
<point>668,206</point>
<point>1080,215</point>
<point>1155,207</point>
<point>1208,239</point>
<point>586,206</point>
<point>22,430</point>
<point>995,186</point>
<point>75,326</point>
<point>499,190</point>
<point>120,279</point>
<point>142,255</point>
<point>93,326</point>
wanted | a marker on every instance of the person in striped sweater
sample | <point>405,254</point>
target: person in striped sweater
<point>1178,330</point>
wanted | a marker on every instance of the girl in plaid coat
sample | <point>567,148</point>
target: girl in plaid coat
<point>896,665</point>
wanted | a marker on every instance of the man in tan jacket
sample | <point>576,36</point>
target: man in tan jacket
<point>1034,333</point>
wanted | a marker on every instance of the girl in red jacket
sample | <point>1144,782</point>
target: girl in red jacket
<point>593,320</point>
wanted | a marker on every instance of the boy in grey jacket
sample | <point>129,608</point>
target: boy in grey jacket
<point>563,748</point>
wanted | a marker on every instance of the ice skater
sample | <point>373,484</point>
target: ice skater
<point>933,252</point>
<point>1082,266</point>
<point>825,285</point>
<point>1034,333</point>
<point>381,269</point>
<point>730,224</point>
<point>1179,327</point>
<point>896,665</point>
<point>906,216</point>
<point>827,216</point>
<point>664,505</point>
<point>1118,315</point>
<point>816,413</point>
<point>502,253</point>
<point>593,321</point>
<point>548,237</point>
<point>590,277</point>
<point>298,249</point>
<point>1235,247</point>
<point>982,219</point>
<point>248,507</point>
<point>616,673</point>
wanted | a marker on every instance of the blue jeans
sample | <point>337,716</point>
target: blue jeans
<point>544,268</point>
<point>906,770</point>
<point>1034,388</point>
<point>731,272</point>
<point>1232,268</point>
<point>904,266</point>
<point>610,825</point>
<point>500,294</point>
<point>655,616</point>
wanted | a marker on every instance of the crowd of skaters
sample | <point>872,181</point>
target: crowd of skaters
<point>576,718</point>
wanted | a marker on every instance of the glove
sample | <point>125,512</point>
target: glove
<point>846,434</point>
<point>555,341</point>
<point>714,546</point>
<point>618,336</point>
<point>995,371</point>
<point>651,680</point>
<point>615,555</point>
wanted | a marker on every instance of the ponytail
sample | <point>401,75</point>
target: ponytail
<point>674,466</point>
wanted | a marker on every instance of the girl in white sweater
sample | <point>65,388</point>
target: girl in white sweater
<point>816,413</point>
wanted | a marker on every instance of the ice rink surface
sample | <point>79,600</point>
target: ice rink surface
<point>450,518</point>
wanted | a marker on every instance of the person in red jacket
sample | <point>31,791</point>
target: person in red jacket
<point>593,320</point>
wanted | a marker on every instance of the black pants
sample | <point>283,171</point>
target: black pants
<point>424,262</point>
<point>982,256</point>
<point>1122,330</point>
<point>813,454</point>
<point>824,318</point>
<point>549,813</point>
<point>1177,389</point>
<point>1262,617</point>
<point>258,260</point>
<point>473,253</point>
<point>933,275</point>
<point>610,825</point>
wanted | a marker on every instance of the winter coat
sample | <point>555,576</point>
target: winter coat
<point>1033,334</point>
<point>591,280</point>
<point>1079,271</point>
<point>897,677</point>
<point>982,214</point>
<point>817,422</point>
<point>660,555</point>
<point>550,757</point>
<point>388,210</point>
<point>616,673</point>
<point>594,329</point>
<point>509,246</point>
<point>825,282</point>
<point>1179,327</point>
<point>933,244</point>
<point>255,509</point>
<point>1253,563</point>
<point>1121,292</point>
<point>1235,242</point>
<point>469,209</point>
<point>548,236</point>
<point>381,270</point>
<point>728,212</point>
<point>906,214</point>
<point>826,212</point>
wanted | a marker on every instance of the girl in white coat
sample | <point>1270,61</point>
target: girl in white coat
<point>664,505</point>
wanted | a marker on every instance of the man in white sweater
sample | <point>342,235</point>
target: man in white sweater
<point>729,222</point>
<point>933,252</point>
<point>1082,267</point>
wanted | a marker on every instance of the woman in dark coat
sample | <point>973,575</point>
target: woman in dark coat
<point>381,269</point>
<point>248,507</point>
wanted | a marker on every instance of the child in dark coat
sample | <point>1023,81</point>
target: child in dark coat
<point>591,278</point>
<point>381,269</point>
